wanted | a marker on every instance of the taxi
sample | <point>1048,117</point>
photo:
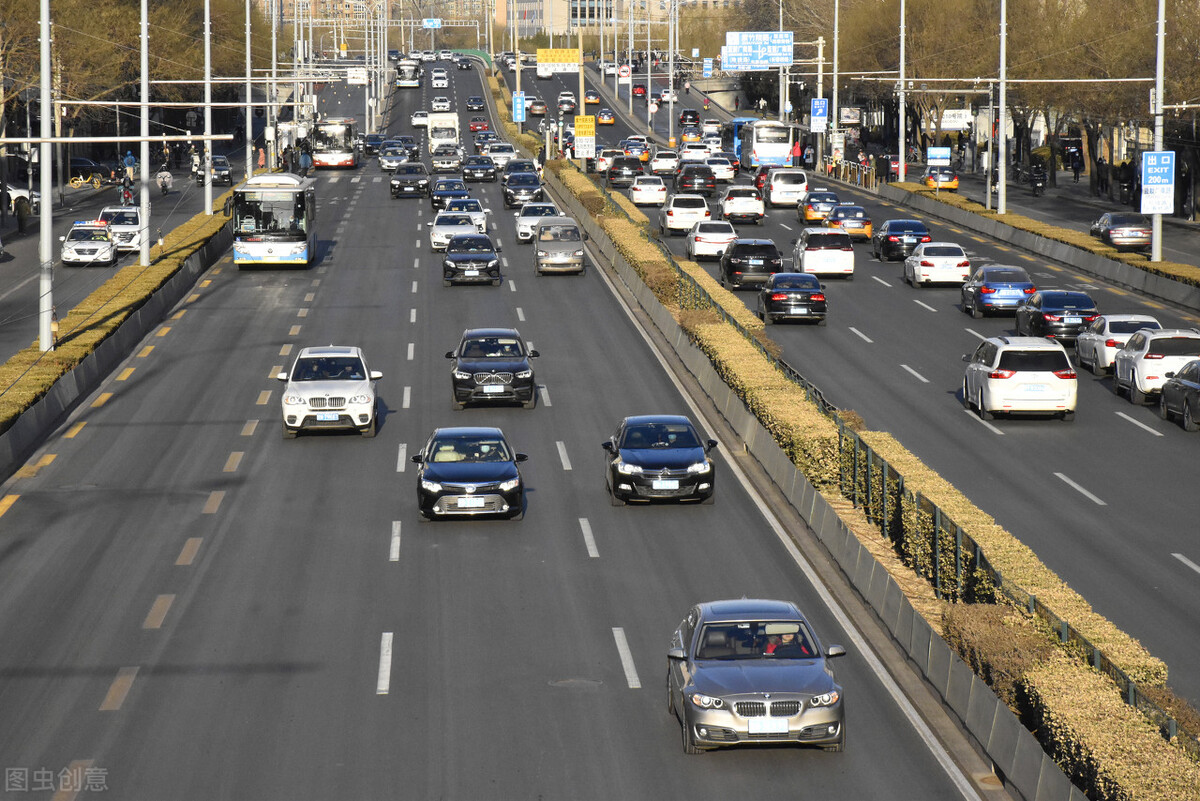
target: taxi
<point>605,116</point>
<point>854,220</point>
<point>940,178</point>
<point>89,242</point>
<point>691,134</point>
<point>817,205</point>
<point>591,97</point>
<point>633,147</point>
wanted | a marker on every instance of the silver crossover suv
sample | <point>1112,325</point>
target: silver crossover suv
<point>558,246</point>
<point>329,387</point>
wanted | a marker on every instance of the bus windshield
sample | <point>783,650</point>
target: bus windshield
<point>333,138</point>
<point>273,213</point>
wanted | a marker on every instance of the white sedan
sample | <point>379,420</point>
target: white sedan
<point>648,190</point>
<point>1097,345</point>
<point>1141,366</point>
<point>709,239</point>
<point>694,151</point>
<point>937,263</point>
<point>419,119</point>
<point>604,160</point>
<point>440,103</point>
<point>743,203</point>
<point>473,208</point>
<point>722,169</point>
<point>448,224</point>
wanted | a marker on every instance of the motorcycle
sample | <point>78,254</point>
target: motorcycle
<point>1037,182</point>
<point>165,180</point>
<point>126,196</point>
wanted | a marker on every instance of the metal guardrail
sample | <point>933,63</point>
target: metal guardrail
<point>946,556</point>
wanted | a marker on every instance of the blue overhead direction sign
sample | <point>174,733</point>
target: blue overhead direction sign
<point>708,64</point>
<point>756,50</point>
<point>431,23</point>
<point>518,107</point>
<point>1158,182</point>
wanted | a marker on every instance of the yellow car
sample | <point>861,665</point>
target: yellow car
<point>851,219</point>
<point>605,117</point>
<point>816,206</point>
<point>691,135</point>
<point>940,178</point>
<point>591,96</point>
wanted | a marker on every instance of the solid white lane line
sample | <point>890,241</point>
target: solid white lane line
<point>588,539</point>
<point>984,423</point>
<point>412,350</point>
<point>1066,480</point>
<point>414,288</point>
<point>915,374</point>
<point>512,286</point>
<point>1187,561</point>
<point>562,454</point>
<point>880,280</point>
<point>631,676</point>
<point>924,305</point>
<point>520,314</point>
<point>412,315</point>
<point>402,457</point>
<point>394,548</point>
<point>1139,424</point>
<point>974,333</point>
<point>385,664</point>
<point>407,398</point>
<point>545,393</point>
<point>861,335</point>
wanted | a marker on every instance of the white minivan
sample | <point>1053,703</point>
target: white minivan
<point>786,186</point>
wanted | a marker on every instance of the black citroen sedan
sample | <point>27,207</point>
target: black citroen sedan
<point>1056,314</point>
<point>522,187</point>
<point>792,296</point>
<point>469,472</point>
<point>479,168</point>
<point>471,259</point>
<point>658,457</point>
<point>491,365</point>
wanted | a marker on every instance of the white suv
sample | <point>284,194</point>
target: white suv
<point>681,212</point>
<point>824,251</point>
<point>329,387</point>
<point>125,222</point>
<point>1019,375</point>
<point>1141,366</point>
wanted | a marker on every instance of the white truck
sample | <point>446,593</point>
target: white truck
<point>443,130</point>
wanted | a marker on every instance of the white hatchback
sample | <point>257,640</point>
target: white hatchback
<point>1097,345</point>
<point>743,203</point>
<point>709,239</point>
<point>1141,366</point>
<point>722,168</point>
<point>937,263</point>
<point>824,251</point>
<point>664,162</point>
<point>648,190</point>
<point>1020,375</point>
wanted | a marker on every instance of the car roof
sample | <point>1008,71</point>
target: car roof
<point>813,229</point>
<point>330,350</point>
<point>491,332</point>
<point>1160,333</point>
<point>1026,343</point>
<point>557,219</point>
<point>749,609</point>
<point>928,245</point>
<point>753,241</point>
<point>468,431</point>
<point>641,419</point>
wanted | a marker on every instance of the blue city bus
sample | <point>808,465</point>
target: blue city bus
<point>731,141</point>
<point>765,142</point>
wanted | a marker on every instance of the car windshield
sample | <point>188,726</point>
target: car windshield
<point>907,227</point>
<point>660,435</point>
<point>756,251</point>
<point>538,211</point>
<point>666,154</point>
<point>1011,275</point>
<point>756,640</point>
<point>715,228</point>
<point>502,149</point>
<point>1134,220</point>
<point>689,203</point>
<point>740,193</point>
<point>119,217</point>
<point>791,179</point>
<point>329,368</point>
<point>856,212</point>
<point>374,139</point>
<point>220,161</point>
<point>470,204</point>
<point>411,169</point>
<point>453,219</point>
<point>804,281</point>
<point>1175,346</point>
<point>822,197</point>
<point>1040,361</point>
<point>469,244</point>
<point>469,449</point>
<point>478,161</point>
<point>393,150</point>
<point>445,150</point>
<point>87,235</point>
<point>523,179</point>
<point>831,241</point>
<point>944,250</point>
<point>1130,326</point>
<point>520,165</point>
<point>450,186</point>
<point>491,348</point>
<point>559,233</point>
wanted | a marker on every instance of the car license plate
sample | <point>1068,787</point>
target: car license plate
<point>470,273</point>
<point>665,483</point>
<point>1008,293</point>
<point>470,503</point>
<point>493,389</point>
<point>756,262</point>
<point>799,310</point>
<point>908,240</point>
<point>767,725</point>
<point>410,189</point>
<point>1072,320</point>
<point>327,417</point>
<point>1035,387</point>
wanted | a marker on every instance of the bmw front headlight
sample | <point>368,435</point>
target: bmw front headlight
<point>578,253</point>
<point>511,484</point>
<point>625,468</point>
<point>363,398</point>
<point>825,699</point>
<point>294,399</point>
<point>461,375</point>
<point>524,374</point>
<point>699,467</point>
<point>707,701</point>
<point>430,486</point>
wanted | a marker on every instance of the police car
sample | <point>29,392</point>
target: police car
<point>89,242</point>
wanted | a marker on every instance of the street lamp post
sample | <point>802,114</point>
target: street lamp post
<point>1156,219</point>
<point>903,100</point>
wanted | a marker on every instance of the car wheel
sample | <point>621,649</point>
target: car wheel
<point>454,403</point>
<point>1068,416</point>
<point>289,433</point>
<point>1136,396</point>
<point>710,499</point>
<point>840,745</point>
<point>821,321</point>
<point>670,695</point>
<point>369,431</point>
<point>984,414</point>
<point>1116,382</point>
<point>496,282</point>
<point>1188,420</point>
<point>519,512</point>
<point>689,741</point>
<point>532,402</point>
<point>1163,411</point>
<point>966,397</point>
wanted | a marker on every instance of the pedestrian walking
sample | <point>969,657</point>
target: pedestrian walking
<point>1102,175</point>
<point>1076,164</point>
<point>797,153</point>
<point>810,156</point>
<point>737,102</point>
<point>262,158</point>
<point>305,163</point>
<point>687,87</point>
<point>762,105</point>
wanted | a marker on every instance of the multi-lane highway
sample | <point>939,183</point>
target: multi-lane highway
<point>194,607</point>
<point>1102,500</point>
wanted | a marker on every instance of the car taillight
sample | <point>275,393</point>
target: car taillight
<point>1029,290</point>
<point>1112,343</point>
<point>779,296</point>
<point>707,213</point>
<point>1153,356</point>
<point>849,248</point>
<point>1065,374</point>
<point>987,290</point>
<point>893,238</point>
<point>1051,317</point>
<point>1002,373</point>
<point>926,239</point>
<point>1090,318</point>
<point>818,296</point>
<point>964,264</point>
<point>670,213</point>
<point>926,263</point>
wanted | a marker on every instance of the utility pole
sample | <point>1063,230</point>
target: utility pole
<point>1156,219</point>
<point>249,112</point>
<point>903,101</point>
<point>1001,127</point>
<point>206,164</point>
<point>45,240</point>
<point>144,150</point>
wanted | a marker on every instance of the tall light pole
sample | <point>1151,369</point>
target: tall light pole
<point>1156,219</point>
<point>782,72</point>
<point>834,114</point>
<point>248,113</point>
<point>903,100</point>
<point>144,150</point>
<point>1002,115</point>
<point>45,240</point>
<point>206,163</point>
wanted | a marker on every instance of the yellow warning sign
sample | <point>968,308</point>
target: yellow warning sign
<point>585,125</point>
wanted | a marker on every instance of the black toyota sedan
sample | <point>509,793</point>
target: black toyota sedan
<point>522,187</point>
<point>410,180</point>
<point>792,296</point>
<point>446,190</point>
<point>658,457</point>
<point>471,259</point>
<point>470,472</point>
<point>896,239</point>
<point>479,168</point>
<point>1056,314</point>
<point>491,365</point>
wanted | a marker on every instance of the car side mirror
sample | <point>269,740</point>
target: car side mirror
<point>62,239</point>
<point>417,459</point>
<point>520,457</point>
<point>835,650</point>
<point>282,376</point>
<point>487,211</point>
<point>1170,374</point>
<point>966,357</point>
<point>794,241</point>
<point>375,375</point>
<point>499,249</point>
<point>516,214</point>
<point>585,236</point>
<point>607,445</point>
<point>708,446</point>
<point>429,224</point>
<point>449,354</point>
<point>533,354</point>
<point>676,653</point>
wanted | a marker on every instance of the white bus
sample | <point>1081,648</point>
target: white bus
<point>443,129</point>
<point>274,216</point>
<point>765,142</point>
<point>408,74</point>
<point>333,143</point>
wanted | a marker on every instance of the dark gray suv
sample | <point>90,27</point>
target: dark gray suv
<point>749,262</point>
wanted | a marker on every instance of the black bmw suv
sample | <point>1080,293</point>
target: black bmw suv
<point>492,365</point>
<point>749,261</point>
<point>696,179</point>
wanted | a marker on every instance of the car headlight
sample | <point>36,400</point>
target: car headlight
<point>447,265</point>
<point>294,400</point>
<point>699,467</point>
<point>707,701</point>
<point>430,486</point>
<point>511,484</point>
<point>578,253</point>
<point>423,182</point>
<point>628,469</point>
<point>461,376</point>
<point>825,699</point>
<point>543,253</point>
<point>525,374</point>
<point>361,399</point>
<point>493,263</point>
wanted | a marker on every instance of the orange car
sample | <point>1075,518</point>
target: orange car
<point>940,178</point>
<point>605,117</point>
<point>854,220</point>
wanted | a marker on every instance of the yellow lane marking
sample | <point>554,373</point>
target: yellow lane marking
<point>264,398</point>
<point>101,400</point>
<point>235,459</point>
<point>1026,257</point>
<point>316,282</point>
<point>956,230</point>
<point>217,270</point>
<point>1154,305</point>
<point>1001,247</point>
<point>124,374</point>
<point>6,503</point>
<point>195,296</point>
<point>310,297</point>
<point>248,429</point>
<point>286,350</point>
<point>144,352</point>
<point>1053,267</point>
<point>1116,291</point>
<point>162,332</point>
<point>75,429</point>
<point>31,470</point>
<point>275,370</point>
<point>80,778</point>
<point>294,331</point>
<point>178,314</point>
<point>119,689</point>
<point>158,612</point>
<point>979,239</point>
<point>302,313</point>
<point>188,554</point>
<point>214,502</point>
<point>205,283</point>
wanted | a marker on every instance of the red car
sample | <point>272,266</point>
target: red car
<point>639,90</point>
<point>760,177</point>
<point>479,124</point>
